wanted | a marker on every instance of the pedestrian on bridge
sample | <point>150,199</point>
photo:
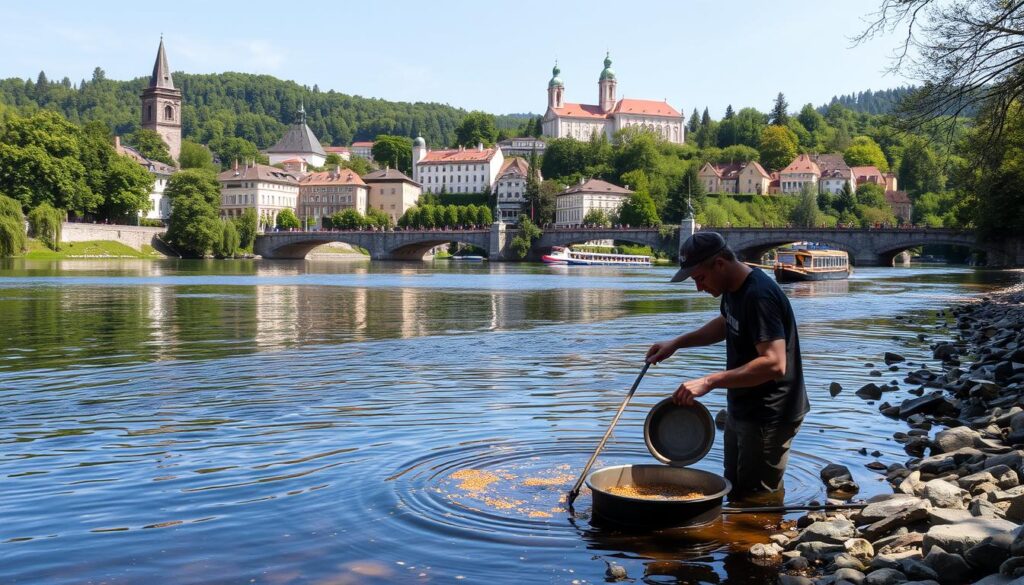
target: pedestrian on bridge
<point>764,379</point>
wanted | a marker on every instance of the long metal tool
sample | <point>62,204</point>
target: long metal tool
<point>579,482</point>
<point>795,508</point>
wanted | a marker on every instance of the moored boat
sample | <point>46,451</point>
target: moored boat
<point>804,264</point>
<point>561,255</point>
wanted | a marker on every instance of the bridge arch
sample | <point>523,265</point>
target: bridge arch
<point>752,249</point>
<point>886,253</point>
<point>417,250</point>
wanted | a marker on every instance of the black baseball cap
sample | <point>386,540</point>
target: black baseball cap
<point>696,249</point>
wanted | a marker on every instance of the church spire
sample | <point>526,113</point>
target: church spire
<point>161,71</point>
<point>302,112</point>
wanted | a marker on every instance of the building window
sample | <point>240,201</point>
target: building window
<point>168,113</point>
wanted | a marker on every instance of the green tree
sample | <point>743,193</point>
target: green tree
<point>779,115</point>
<point>863,151</point>
<point>348,219</point>
<point>749,125</point>
<point>196,156</point>
<point>378,218</point>
<point>778,147</point>
<point>920,170</point>
<point>451,215</point>
<point>545,208</point>
<point>228,244</point>
<point>12,227</point>
<point>246,226</point>
<point>806,212</point>
<point>527,234</point>
<point>846,200</point>
<point>810,119</point>
<point>45,222</point>
<point>194,224</point>
<point>333,159</point>
<point>597,217</point>
<point>151,145</point>
<point>872,195</point>
<point>484,217</point>
<point>126,187</point>
<point>476,128</point>
<point>563,157</point>
<point>393,151</point>
<point>690,192</point>
<point>287,220</point>
<point>639,210</point>
<point>236,149</point>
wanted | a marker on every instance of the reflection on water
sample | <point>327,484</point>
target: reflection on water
<point>328,422</point>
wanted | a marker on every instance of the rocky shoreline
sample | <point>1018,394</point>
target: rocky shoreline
<point>957,505</point>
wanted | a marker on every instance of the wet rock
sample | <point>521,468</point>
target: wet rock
<point>884,506</point>
<point>875,373</point>
<point>893,358</point>
<point>931,403</point>
<point>847,561</point>
<point>957,538</point>
<point>901,518</point>
<point>944,351</point>
<point>780,539</point>
<point>869,391</point>
<point>616,572</point>
<point>837,478</point>
<point>943,494</point>
<point>794,580</point>
<point>834,389</point>
<point>885,577</point>
<point>815,551</point>
<point>765,551</point>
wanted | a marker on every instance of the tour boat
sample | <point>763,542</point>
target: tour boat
<point>802,264</point>
<point>560,255</point>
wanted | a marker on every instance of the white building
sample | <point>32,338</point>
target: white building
<point>459,170</point>
<point>268,190</point>
<point>392,192</point>
<point>510,188</point>
<point>159,204</point>
<point>523,147</point>
<point>571,120</point>
<point>573,204</point>
<point>298,142</point>
<point>363,149</point>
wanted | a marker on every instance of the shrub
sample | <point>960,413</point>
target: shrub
<point>45,222</point>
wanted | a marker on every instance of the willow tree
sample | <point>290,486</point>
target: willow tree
<point>45,222</point>
<point>12,227</point>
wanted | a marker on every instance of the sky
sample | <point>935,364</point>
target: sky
<point>490,56</point>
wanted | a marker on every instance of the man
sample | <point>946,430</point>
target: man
<point>764,376</point>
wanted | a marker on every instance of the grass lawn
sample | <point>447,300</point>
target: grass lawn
<point>97,249</point>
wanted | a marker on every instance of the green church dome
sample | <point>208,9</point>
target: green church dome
<point>556,81</point>
<point>608,72</point>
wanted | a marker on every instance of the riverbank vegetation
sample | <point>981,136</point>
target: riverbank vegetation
<point>37,250</point>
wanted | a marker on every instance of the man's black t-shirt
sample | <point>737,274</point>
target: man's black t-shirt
<point>759,311</point>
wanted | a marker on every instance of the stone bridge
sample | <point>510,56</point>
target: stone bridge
<point>382,245</point>
<point>867,247</point>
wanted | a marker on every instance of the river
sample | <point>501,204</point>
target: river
<point>346,422</point>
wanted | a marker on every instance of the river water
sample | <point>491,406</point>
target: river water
<point>345,422</point>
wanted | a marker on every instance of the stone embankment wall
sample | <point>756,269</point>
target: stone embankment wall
<point>129,235</point>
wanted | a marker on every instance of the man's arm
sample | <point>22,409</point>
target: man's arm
<point>770,364</point>
<point>712,332</point>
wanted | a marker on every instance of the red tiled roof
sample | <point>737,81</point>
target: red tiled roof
<point>342,177</point>
<point>646,108</point>
<point>802,164</point>
<point>363,143</point>
<point>516,165</point>
<point>337,149</point>
<point>868,174</point>
<point>460,155</point>
<point>580,111</point>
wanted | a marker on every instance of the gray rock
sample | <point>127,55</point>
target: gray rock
<point>815,551</point>
<point>944,351</point>
<point>1008,479</point>
<point>887,506</point>
<point>794,580</point>
<point>831,531</point>
<point>834,389</point>
<point>1015,511</point>
<point>968,482</point>
<point>956,438</point>
<point>917,570</point>
<point>1017,544</point>
<point>908,515</point>
<point>892,561</point>
<point>763,551</point>
<point>616,572</point>
<point>893,358</point>
<point>885,577</point>
<point>852,575</point>
<point>899,542</point>
<point>847,561</point>
<point>912,484</point>
<point>943,494</point>
<point>779,539</point>
<point>988,554</point>
<point>938,516</point>
<point>982,507</point>
<point>799,564</point>
<point>1012,567</point>
<point>950,568</point>
<point>957,538</point>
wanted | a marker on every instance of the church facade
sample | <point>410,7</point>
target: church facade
<point>609,115</point>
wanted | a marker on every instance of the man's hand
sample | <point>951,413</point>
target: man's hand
<point>661,351</point>
<point>690,390</point>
